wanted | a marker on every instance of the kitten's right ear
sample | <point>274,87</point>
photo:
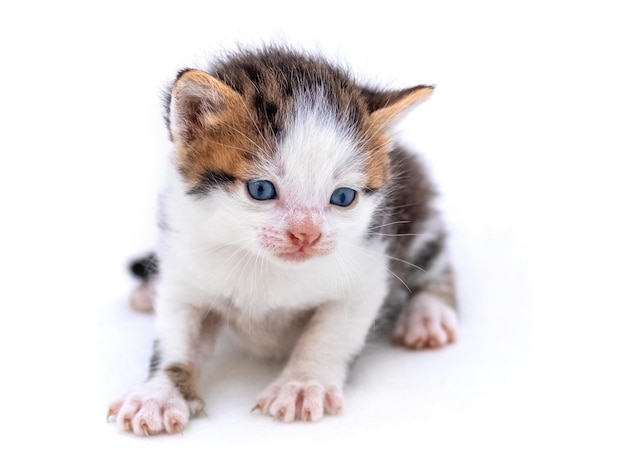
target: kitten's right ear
<point>387,106</point>
<point>196,99</point>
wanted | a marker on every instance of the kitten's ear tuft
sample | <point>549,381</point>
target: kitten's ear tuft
<point>196,98</point>
<point>386,106</point>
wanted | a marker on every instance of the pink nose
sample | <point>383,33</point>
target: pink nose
<point>304,238</point>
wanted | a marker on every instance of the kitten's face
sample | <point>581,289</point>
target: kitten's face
<point>274,218</point>
<point>304,196</point>
<point>282,155</point>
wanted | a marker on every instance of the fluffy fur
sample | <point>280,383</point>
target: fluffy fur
<point>293,276</point>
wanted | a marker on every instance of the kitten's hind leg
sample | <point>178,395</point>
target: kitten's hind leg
<point>428,319</point>
<point>146,269</point>
<point>142,298</point>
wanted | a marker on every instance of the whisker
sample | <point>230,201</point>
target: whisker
<point>204,139</point>
<point>237,250</point>
<point>247,137</point>
<point>363,251</point>
<point>405,262</point>
<point>391,223</point>
<point>404,205</point>
<point>254,123</point>
<point>231,244</point>
<point>400,234</point>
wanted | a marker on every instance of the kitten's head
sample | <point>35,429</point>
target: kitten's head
<point>281,154</point>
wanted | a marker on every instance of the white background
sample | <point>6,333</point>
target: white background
<point>524,136</point>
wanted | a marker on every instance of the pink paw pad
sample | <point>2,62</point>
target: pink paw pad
<point>300,401</point>
<point>426,322</point>
<point>148,414</point>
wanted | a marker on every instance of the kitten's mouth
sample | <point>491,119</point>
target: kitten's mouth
<point>300,255</point>
<point>296,256</point>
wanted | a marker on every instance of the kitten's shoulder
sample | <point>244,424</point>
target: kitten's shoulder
<point>411,193</point>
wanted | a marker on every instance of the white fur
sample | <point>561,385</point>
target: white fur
<point>222,254</point>
<point>213,256</point>
<point>212,260</point>
<point>317,154</point>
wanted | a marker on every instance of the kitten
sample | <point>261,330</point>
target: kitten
<point>292,218</point>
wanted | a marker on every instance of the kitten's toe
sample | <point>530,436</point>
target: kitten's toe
<point>149,412</point>
<point>300,401</point>
<point>427,322</point>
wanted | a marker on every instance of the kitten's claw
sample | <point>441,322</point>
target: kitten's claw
<point>426,322</point>
<point>114,409</point>
<point>280,415</point>
<point>176,427</point>
<point>127,425</point>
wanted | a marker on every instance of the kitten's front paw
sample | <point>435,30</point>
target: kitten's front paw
<point>150,412</point>
<point>426,322</point>
<point>303,401</point>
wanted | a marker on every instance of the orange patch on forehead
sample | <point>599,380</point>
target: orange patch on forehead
<point>377,165</point>
<point>216,131</point>
<point>226,147</point>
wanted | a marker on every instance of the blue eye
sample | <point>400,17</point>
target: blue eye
<point>261,190</point>
<point>343,197</point>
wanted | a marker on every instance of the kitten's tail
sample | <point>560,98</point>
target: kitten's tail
<point>146,269</point>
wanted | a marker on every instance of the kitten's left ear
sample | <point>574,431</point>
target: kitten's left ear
<point>195,100</point>
<point>386,106</point>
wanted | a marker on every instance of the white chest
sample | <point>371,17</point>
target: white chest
<point>265,303</point>
<point>239,281</point>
